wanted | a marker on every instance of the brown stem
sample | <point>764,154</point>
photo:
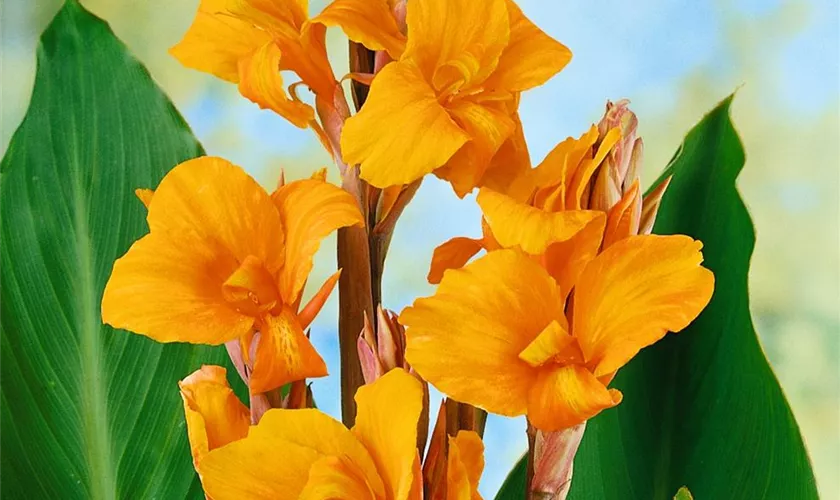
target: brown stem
<point>529,476</point>
<point>462,416</point>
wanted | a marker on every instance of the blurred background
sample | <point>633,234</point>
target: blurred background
<point>674,59</point>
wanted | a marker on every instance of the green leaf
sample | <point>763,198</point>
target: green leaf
<point>87,411</point>
<point>514,486</point>
<point>701,407</point>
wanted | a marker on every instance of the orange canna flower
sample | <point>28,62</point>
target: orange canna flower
<point>448,103</point>
<point>224,261</point>
<point>305,454</point>
<point>248,42</point>
<point>215,416</point>
<point>499,334</point>
<point>568,293</point>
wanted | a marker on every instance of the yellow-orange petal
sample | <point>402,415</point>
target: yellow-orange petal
<point>634,293</point>
<point>402,131</point>
<point>565,260</point>
<point>336,478</point>
<point>464,466</point>
<point>169,288</point>
<point>564,396</point>
<point>283,354</point>
<point>488,125</point>
<point>369,22</point>
<point>260,81</point>
<point>452,254</point>
<point>515,223</point>
<point>307,314</point>
<point>550,342</point>
<point>624,218</point>
<point>530,58</point>
<point>283,19</point>
<point>509,171</point>
<point>554,174</point>
<point>214,415</point>
<point>145,196</point>
<point>386,424</point>
<point>274,461</point>
<point>456,43</point>
<point>584,172</point>
<point>216,42</point>
<point>310,210</point>
<point>466,339</point>
<point>223,207</point>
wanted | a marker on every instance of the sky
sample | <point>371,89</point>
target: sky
<point>674,59</point>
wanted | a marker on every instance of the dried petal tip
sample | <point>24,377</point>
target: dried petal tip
<point>618,115</point>
<point>382,349</point>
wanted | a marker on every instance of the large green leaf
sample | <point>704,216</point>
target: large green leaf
<point>87,411</point>
<point>701,408</point>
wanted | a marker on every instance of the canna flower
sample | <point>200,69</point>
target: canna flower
<point>569,292</point>
<point>215,416</point>
<point>447,104</point>
<point>305,454</point>
<point>224,261</point>
<point>499,334</point>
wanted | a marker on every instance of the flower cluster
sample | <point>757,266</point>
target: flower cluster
<point>571,287</point>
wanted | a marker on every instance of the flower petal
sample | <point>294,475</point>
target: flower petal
<point>515,223</point>
<point>402,131</point>
<point>253,468</point>
<point>488,126</point>
<point>386,424</point>
<point>310,209</point>
<point>565,260</point>
<point>215,416</point>
<point>260,81</point>
<point>283,354</point>
<point>336,478</point>
<point>170,289</point>
<point>369,22</point>
<point>456,43</point>
<point>564,396</point>
<point>550,342</point>
<point>464,466</point>
<point>531,57</point>
<point>509,171</point>
<point>216,42</point>
<point>452,254</point>
<point>466,339</point>
<point>222,206</point>
<point>145,196</point>
<point>634,293</point>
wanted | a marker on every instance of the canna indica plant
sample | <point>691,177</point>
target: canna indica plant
<point>538,317</point>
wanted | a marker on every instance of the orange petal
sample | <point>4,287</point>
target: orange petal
<point>260,81</point>
<point>169,288</point>
<point>217,41</point>
<point>488,126</point>
<point>515,223</point>
<point>509,171</point>
<point>464,466</point>
<point>313,307</point>
<point>623,219</point>
<point>531,57</point>
<point>565,260</point>
<point>284,354</point>
<point>466,339</point>
<point>402,131</point>
<point>452,255</point>
<point>310,209</point>
<point>456,43</point>
<point>222,206</point>
<point>634,293</point>
<point>584,172</point>
<point>386,424</point>
<point>251,289</point>
<point>145,196</point>
<point>215,416</point>
<point>336,478</point>
<point>253,467</point>
<point>370,23</point>
<point>565,396</point>
<point>550,342</point>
